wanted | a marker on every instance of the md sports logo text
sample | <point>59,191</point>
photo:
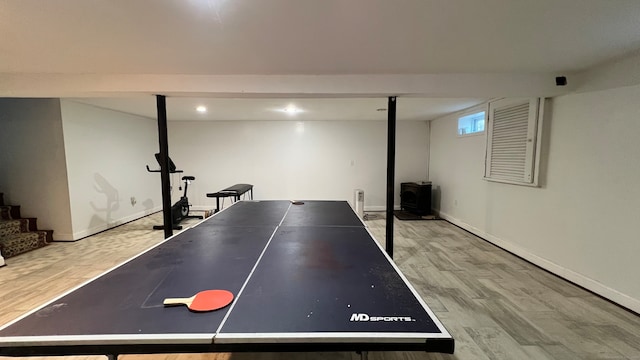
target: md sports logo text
<point>360,317</point>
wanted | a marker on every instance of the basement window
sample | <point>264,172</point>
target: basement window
<point>471,124</point>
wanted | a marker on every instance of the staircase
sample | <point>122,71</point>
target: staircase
<point>19,235</point>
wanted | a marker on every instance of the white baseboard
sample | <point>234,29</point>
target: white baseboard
<point>66,237</point>
<point>379,208</point>
<point>96,229</point>
<point>568,274</point>
<point>375,208</point>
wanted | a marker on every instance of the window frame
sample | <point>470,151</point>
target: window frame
<point>474,110</point>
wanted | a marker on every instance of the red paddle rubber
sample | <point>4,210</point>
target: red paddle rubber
<point>207,300</point>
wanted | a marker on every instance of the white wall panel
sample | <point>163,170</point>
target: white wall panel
<point>32,158</point>
<point>580,222</point>
<point>297,160</point>
<point>106,154</point>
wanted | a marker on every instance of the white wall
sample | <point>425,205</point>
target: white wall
<point>32,158</point>
<point>616,73</point>
<point>296,160</point>
<point>580,222</point>
<point>106,154</point>
<point>76,167</point>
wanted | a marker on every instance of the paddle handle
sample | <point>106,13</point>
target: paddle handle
<point>177,301</point>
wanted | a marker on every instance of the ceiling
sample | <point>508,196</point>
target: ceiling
<point>106,49</point>
<point>342,109</point>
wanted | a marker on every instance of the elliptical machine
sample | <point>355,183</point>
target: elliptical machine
<point>179,210</point>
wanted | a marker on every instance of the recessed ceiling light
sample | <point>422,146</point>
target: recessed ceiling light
<point>201,109</point>
<point>292,110</point>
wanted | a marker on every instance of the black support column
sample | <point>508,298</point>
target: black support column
<point>164,164</point>
<point>391,167</point>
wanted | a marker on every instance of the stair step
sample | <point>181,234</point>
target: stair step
<point>19,235</point>
<point>11,227</point>
<point>20,225</point>
<point>16,244</point>
<point>8,212</point>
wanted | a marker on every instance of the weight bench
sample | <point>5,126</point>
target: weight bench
<point>234,191</point>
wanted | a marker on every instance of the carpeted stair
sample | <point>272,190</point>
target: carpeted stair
<point>19,235</point>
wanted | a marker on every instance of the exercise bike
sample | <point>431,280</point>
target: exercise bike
<point>179,210</point>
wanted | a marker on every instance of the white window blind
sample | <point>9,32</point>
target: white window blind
<point>512,141</point>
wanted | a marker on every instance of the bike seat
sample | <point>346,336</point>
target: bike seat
<point>188,178</point>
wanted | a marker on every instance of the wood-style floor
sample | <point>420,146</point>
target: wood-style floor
<point>496,305</point>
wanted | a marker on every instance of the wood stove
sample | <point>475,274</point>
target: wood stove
<point>415,197</point>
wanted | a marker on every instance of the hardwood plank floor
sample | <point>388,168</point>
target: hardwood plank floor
<point>496,305</point>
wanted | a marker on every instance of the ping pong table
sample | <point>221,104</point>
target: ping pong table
<point>306,277</point>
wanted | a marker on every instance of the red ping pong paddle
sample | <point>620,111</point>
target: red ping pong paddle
<point>207,300</point>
